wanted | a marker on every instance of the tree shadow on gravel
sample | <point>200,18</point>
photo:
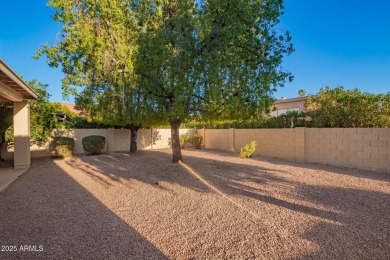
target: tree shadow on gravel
<point>352,224</point>
<point>359,173</point>
<point>348,223</point>
<point>49,208</point>
<point>364,232</point>
<point>258,183</point>
<point>149,167</point>
<point>153,166</point>
<point>250,181</point>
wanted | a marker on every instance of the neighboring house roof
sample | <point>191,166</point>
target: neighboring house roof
<point>288,100</point>
<point>12,87</point>
<point>71,107</point>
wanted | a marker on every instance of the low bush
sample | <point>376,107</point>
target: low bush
<point>63,147</point>
<point>248,150</point>
<point>93,144</point>
<point>184,138</point>
<point>196,141</point>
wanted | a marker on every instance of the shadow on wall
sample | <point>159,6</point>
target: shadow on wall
<point>63,132</point>
<point>49,208</point>
<point>147,138</point>
<point>37,150</point>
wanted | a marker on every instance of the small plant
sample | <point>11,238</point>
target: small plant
<point>93,144</point>
<point>196,141</point>
<point>63,147</point>
<point>248,150</point>
<point>184,138</point>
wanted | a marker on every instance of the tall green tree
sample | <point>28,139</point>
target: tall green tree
<point>196,59</point>
<point>120,104</point>
<point>338,107</point>
<point>97,51</point>
<point>211,59</point>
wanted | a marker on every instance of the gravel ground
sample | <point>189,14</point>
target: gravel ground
<point>215,206</point>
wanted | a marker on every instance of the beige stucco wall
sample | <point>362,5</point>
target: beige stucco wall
<point>361,148</point>
<point>119,139</point>
<point>79,134</point>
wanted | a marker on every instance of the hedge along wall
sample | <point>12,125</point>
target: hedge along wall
<point>118,140</point>
<point>361,148</point>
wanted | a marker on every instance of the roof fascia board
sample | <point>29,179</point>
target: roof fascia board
<point>12,75</point>
<point>10,94</point>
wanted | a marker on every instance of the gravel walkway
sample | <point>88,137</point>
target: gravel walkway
<point>215,206</point>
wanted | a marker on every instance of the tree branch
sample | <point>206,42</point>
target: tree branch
<point>151,78</point>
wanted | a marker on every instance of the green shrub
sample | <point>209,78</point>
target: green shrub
<point>63,147</point>
<point>196,141</point>
<point>248,150</point>
<point>88,123</point>
<point>338,107</point>
<point>184,138</point>
<point>94,144</point>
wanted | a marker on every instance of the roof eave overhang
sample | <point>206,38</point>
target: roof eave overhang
<point>8,90</point>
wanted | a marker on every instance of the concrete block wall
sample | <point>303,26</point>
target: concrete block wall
<point>361,148</point>
<point>217,139</point>
<point>279,143</point>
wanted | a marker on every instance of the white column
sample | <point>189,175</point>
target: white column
<point>22,157</point>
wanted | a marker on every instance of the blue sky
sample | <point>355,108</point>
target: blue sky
<point>340,42</point>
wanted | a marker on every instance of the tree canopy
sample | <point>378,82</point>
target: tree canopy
<point>191,59</point>
<point>338,107</point>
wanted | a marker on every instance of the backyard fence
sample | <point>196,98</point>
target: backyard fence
<point>117,140</point>
<point>361,148</point>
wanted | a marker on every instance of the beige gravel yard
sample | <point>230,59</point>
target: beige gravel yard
<point>215,206</point>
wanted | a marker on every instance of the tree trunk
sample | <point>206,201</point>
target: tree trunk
<point>175,138</point>
<point>133,139</point>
